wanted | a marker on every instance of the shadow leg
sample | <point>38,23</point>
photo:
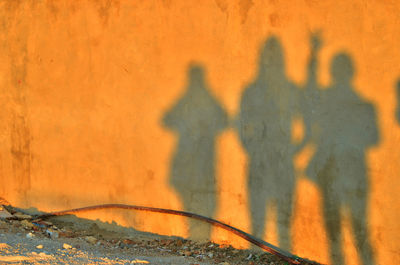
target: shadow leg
<point>360,230</point>
<point>284,214</point>
<point>258,202</point>
<point>333,228</point>
<point>204,204</point>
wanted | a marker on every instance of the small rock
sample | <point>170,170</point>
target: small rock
<point>223,263</point>
<point>139,261</point>
<point>44,255</point>
<point>66,246</point>
<point>22,215</point>
<point>179,243</point>
<point>52,233</point>
<point>26,224</point>
<point>4,246</point>
<point>30,235</point>
<point>39,246</point>
<point>91,239</point>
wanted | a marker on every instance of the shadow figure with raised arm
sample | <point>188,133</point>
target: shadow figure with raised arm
<point>346,128</point>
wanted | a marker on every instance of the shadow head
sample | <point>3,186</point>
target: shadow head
<point>272,62</point>
<point>196,75</point>
<point>342,69</point>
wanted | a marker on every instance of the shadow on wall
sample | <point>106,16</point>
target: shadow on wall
<point>342,126</point>
<point>340,123</point>
<point>197,118</point>
<point>267,109</point>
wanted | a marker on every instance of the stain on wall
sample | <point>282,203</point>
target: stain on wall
<point>20,137</point>
<point>287,127</point>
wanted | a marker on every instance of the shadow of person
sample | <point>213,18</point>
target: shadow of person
<point>346,128</point>
<point>197,118</point>
<point>268,107</point>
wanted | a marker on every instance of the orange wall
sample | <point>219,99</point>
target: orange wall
<point>84,86</point>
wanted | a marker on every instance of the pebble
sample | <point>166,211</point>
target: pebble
<point>26,224</point>
<point>52,233</point>
<point>39,246</point>
<point>91,239</point>
<point>66,246</point>
<point>187,253</point>
<point>139,261</point>
<point>30,235</point>
<point>45,256</point>
<point>4,246</point>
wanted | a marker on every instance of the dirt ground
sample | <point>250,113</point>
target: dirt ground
<point>72,240</point>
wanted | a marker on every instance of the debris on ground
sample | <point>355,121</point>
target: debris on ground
<point>74,239</point>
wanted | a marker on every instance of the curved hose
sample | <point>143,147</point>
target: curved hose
<point>258,242</point>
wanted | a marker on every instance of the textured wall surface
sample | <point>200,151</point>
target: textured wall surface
<point>281,118</point>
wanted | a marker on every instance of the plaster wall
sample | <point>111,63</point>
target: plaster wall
<point>278,117</point>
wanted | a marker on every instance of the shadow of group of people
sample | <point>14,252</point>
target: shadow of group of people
<point>337,121</point>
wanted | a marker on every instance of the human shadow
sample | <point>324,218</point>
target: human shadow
<point>197,118</point>
<point>342,126</point>
<point>267,109</point>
